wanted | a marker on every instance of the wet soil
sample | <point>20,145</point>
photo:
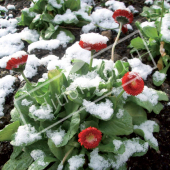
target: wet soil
<point>152,160</point>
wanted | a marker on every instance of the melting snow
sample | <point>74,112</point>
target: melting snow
<point>6,88</point>
<point>104,109</point>
<point>138,67</point>
<point>25,134</point>
<point>56,136</point>
<point>148,128</point>
<point>157,76</point>
<point>76,162</point>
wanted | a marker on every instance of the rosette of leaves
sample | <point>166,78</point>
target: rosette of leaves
<point>155,39</point>
<point>50,17</point>
<point>153,12</point>
<point>54,137</point>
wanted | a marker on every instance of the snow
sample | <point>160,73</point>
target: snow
<point>2,8</point>
<point>31,14</point>
<point>37,153</point>
<point>103,110</point>
<point>67,17</point>
<point>132,9</point>
<point>25,134</point>
<point>4,60</point>
<point>156,7</point>
<point>29,35</point>
<point>10,7</point>
<point>55,4</point>
<point>64,63</point>
<point>89,2</point>
<point>103,18</point>
<point>117,91</point>
<point>25,102</point>
<point>157,76</point>
<point>93,38</point>
<point>75,162</point>
<point>97,162</point>
<point>114,5</point>
<point>31,66</point>
<point>91,79</point>
<point>131,147</point>
<point>149,2</point>
<point>148,128</point>
<point>148,94</point>
<point>45,60</point>
<point>138,67</point>
<point>44,44</point>
<point>119,114</point>
<point>60,166</point>
<point>117,143</point>
<point>6,88</point>
<point>76,52</point>
<point>63,38</point>
<point>87,28</point>
<point>10,44</point>
<point>56,136</point>
<point>146,23</point>
<point>165,28</point>
<point>43,112</point>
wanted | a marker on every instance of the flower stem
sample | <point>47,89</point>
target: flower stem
<point>67,154</point>
<point>161,16</point>
<point>91,60</point>
<point>27,81</point>
<point>117,38</point>
<point>120,94</point>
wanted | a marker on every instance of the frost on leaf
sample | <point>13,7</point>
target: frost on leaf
<point>146,130</point>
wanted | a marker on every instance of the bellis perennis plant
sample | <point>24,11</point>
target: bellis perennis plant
<point>82,120</point>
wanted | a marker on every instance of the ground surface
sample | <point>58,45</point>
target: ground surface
<point>152,160</point>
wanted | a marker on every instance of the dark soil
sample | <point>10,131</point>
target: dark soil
<point>152,160</point>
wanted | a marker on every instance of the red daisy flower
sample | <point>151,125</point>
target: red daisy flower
<point>132,83</point>
<point>93,41</point>
<point>123,16</point>
<point>90,137</point>
<point>16,62</point>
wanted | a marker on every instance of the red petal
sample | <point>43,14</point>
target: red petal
<point>124,29</point>
<point>132,83</point>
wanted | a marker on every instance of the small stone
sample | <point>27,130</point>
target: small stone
<point>108,34</point>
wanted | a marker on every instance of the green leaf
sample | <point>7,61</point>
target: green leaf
<point>145,104</point>
<point>7,132</point>
<point>162,96</point>
<point>157,108</point>
<point>122,68</point>
<point>39,6</point>
<point>18,163</point>
<point>26,19</point>
<point>146,133</point>
<point>150,32</point>
<point>16,152</point>
<point>137,43</point>
<point>137,112</point>
<point>73,5</point>
<point>117,126</point>
<point>80,67</point>
<point>110,147</point>
<point>57,81</point>
<point>49,32</point>
<point>41,163</point>
<point>57,151</point>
